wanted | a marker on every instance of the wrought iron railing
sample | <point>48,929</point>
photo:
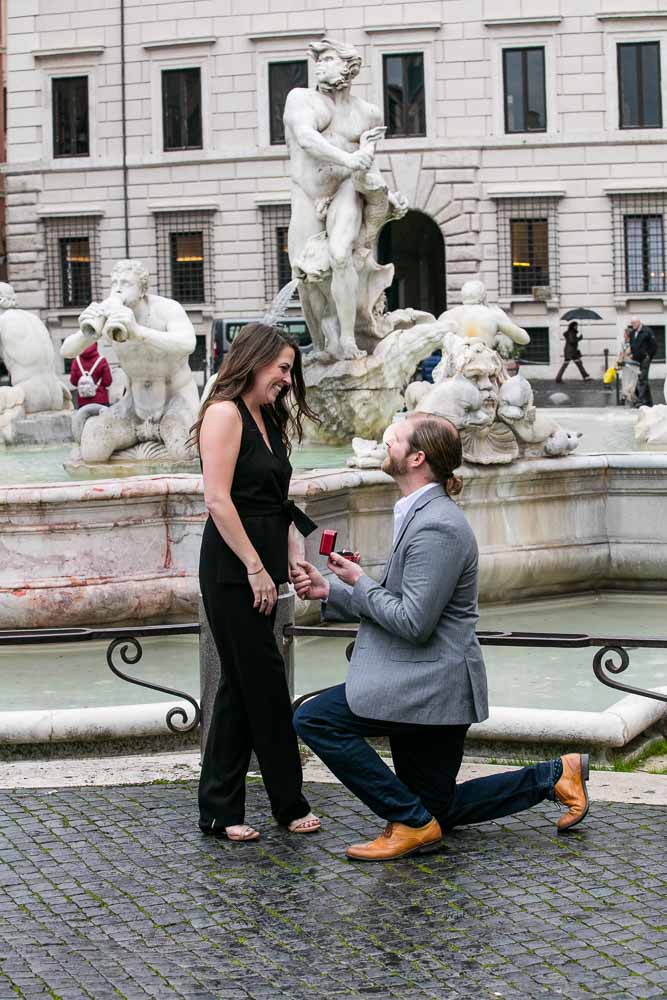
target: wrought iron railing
<point>607,647</point>
<point>125,642</point>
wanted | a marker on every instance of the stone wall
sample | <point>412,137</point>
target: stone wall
<point>455,174</point>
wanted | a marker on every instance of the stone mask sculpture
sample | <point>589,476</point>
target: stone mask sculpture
<point>153,339</point>
<point>27,352</point>
<point>339,204</point>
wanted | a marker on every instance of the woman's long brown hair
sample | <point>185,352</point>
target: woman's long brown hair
<point>256,345</point>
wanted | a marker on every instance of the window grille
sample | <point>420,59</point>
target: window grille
<point>70,116</point>
<point>404,94</point>
<point>277,270</point>
<point>524,90</point>
<point>537,351</point>
<point>185,256</point>
<point>72,261</point>
<point>283,77</point>
<point>639,242</point>
<point>639,99</point>
<point>181,109</point>
<point>527,246</point>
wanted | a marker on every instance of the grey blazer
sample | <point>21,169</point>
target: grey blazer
<point>416,657</point>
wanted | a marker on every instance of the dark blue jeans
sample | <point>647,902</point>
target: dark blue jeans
<point>427,760</point>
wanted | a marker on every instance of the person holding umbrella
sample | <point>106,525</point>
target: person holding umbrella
<point>572,352</point>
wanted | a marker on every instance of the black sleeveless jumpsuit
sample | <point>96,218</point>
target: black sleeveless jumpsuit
<point>252,709</point>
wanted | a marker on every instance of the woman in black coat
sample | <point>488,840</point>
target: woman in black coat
<point>572,352</point>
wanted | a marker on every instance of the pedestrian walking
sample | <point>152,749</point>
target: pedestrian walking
<point>643,346</point>
<point>572,352</point>
<point>248,549</point>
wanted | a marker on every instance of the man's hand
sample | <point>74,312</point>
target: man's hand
<point>346,570</point>
<point>360,160</point>
<point>308,582</point>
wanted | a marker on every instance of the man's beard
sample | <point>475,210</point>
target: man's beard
<point>395,466</point>
<point>326,87</point>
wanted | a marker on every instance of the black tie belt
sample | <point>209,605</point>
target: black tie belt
<point>294,514</point>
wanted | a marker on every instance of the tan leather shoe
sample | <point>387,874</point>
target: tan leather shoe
<point>398,841</point>
<point>570,790</point>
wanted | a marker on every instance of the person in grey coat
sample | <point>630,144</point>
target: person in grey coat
<point>417,674</point>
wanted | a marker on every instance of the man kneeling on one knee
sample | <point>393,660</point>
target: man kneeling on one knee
<point>417,675</point>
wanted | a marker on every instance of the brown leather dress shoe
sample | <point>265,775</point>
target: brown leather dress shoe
<point>398,841</point>
<point>570,790</point>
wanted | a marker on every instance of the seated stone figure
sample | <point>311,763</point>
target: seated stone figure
<point>479,321</point>
<point>153,339</point>
<point>27,352</point>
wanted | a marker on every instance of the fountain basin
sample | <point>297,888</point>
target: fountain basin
<point>121,551</point>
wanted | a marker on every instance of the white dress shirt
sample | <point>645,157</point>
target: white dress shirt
<point>403,507</point>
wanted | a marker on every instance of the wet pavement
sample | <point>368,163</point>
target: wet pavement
<point>111,893</point>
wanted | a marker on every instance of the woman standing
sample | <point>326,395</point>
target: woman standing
<point>572,352</point>
<point>248,549</point>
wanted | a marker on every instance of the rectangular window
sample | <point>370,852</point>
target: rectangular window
<point>639,241</point>
<point>639,96</point>
<point>72,261</point>
<point>187,266</point>
<point>524,89</point>
<point>530,254</point>
<point>283,77</point>
<point>181,109</point>
<point>184,256</point>
<point>277,270</point>
<point>404,95</point>
<point>644,253</point>
<point>75,271</point>
<point>528,247</point>
<point>537,351</point>
<point>71,135</point>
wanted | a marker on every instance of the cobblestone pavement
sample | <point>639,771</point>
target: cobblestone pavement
<point>108,893</point>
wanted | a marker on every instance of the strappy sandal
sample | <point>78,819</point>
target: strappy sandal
<point>306,824</point>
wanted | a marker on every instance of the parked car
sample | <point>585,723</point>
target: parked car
<point>223,332</point>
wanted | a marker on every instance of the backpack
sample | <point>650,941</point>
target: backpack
<point>87,386</point>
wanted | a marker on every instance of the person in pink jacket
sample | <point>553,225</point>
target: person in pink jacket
<point>90,374</point>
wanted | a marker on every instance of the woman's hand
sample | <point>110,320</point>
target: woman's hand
<point>346,570</point>
<point>264,591</point>
<point>308,582</point>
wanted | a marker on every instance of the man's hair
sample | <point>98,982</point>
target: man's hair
<point>134,267</point>
<point>346,52</point>
<point>439,439</point>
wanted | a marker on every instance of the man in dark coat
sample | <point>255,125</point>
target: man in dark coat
<point>642,348</point>
<point>572,352</point>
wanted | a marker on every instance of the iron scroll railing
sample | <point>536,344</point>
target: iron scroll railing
<point>603,661</point>
<point>610,659</point>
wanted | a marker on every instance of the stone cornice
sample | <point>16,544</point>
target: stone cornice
<point>633,15</point>
<point>68,211</point>
<point>177,205</point>
<point>270,36</point>
<point>70,52</point>
<point>525,192</point>
<point>179,43</point>
<point>519,22</point>
<point>381,29</point>
<point>641,187</point>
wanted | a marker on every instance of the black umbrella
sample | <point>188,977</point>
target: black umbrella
<point>573,314</point>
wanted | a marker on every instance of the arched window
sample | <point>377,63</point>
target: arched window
<point>415,246</point>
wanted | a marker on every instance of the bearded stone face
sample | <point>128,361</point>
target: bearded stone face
<point>331,71</point>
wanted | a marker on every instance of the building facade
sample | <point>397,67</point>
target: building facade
<point>527,135</point>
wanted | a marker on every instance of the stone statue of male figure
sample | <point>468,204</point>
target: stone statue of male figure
<point>330,136</point>
<point>153,339</point>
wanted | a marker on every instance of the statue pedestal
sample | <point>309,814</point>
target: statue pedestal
<point>50,427</point>
<point>121,468</point>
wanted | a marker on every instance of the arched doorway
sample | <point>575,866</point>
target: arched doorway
<point>415,246</point>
